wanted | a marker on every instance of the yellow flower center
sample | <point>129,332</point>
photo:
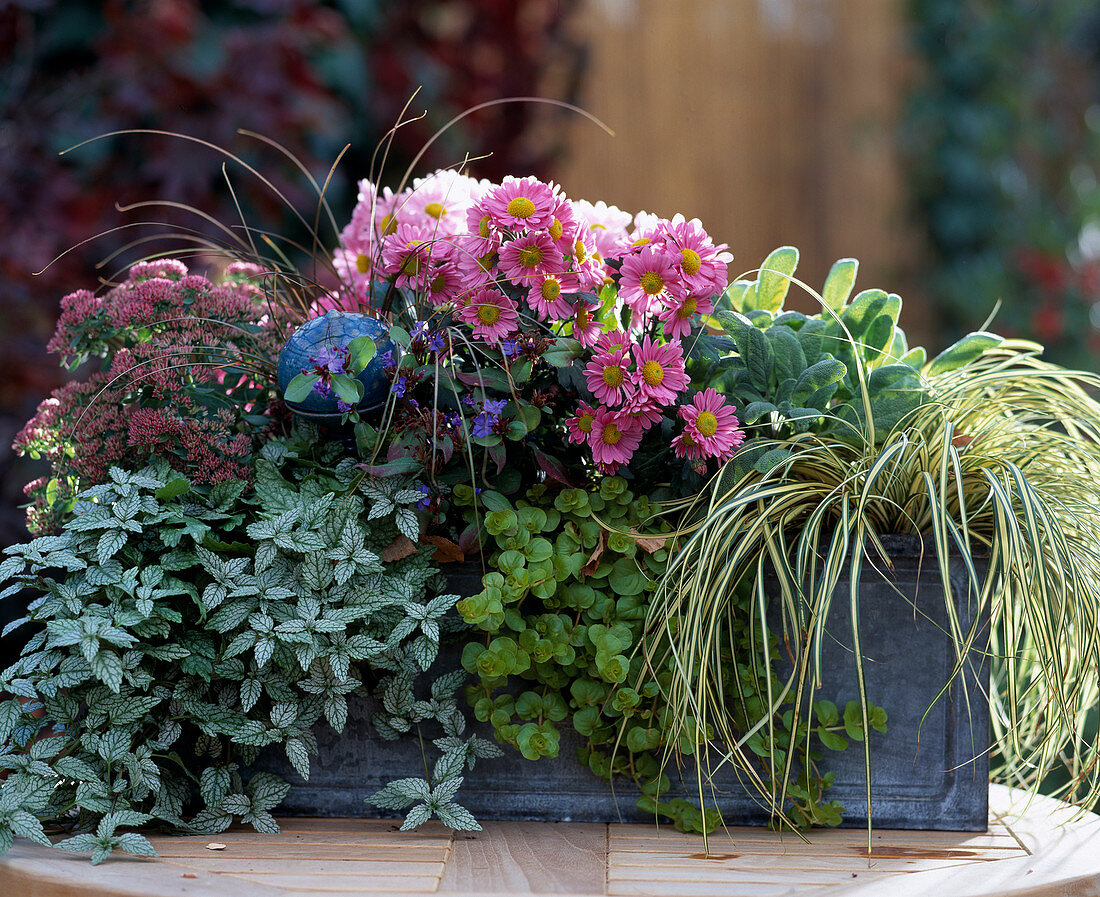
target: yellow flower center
<point>555,230</point>
<point>688,308</point>
<point>641,241</point>
<point>438,284</point>
<point>584,423</point>
<point>653,373</point>
<point>530,256</point>
<point>597,226</point>
<point>613,376</point>
<point>483,227</point>
<point>706,423</point>
<point>388,225</point>
<point>611,434</point>
<point>487,261</point>
<point>691,263</point>
<point>582,318</point>
<point>362,263</point>
<point>551,289</point>
<point>521,207</point>
<point>488,314</point>
<point>412,263</point>
<point>652,283</point>
<point>580,253</point>
<point>687,440</point>
<point>435,209</point>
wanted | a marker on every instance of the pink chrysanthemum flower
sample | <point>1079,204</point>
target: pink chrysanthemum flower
<point>483,234</point>
<point>492,315</point>
<point>405,252</point>
<point>684,446</point>
<point>586,329</point>
<point>549,296</point>
<point>614,438</point>
<point>580,425</point>
<point>609,226</point>
<point>476,268</point>
<point>659,370</point>
<point>563,226</point>
<point>528,257</point>
<point>439,201</point>
<point>678,318</point>
<point>711,425</point>
<point>643,410</point>
<point>519,204</point>
<point>650,279</point>
<point>703,265</point>
<point>443,282</point>
<point>613,340</point>
<point>608,376</point>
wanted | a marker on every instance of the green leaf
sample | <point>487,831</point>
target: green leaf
<point>298,389</point>
<point>174,488</point>
<point>970,348</point>
<point>774,279</point>
<point>107,666</point>
<point>360,352</point>
<point>839,283</point>
<point>347,388</point>
<point>400,336</point>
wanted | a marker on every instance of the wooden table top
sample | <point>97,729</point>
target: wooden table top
<point>1029,850</point>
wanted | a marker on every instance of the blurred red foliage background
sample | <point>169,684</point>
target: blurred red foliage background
<point>314,76</point>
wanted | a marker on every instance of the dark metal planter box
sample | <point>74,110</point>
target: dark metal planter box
<point>937,781</point>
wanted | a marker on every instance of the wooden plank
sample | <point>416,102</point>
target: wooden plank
<point>339,884</point>
<point>397,864</point>
<point>695,889</point>
<point>354,851</point>
<point>529,858</point>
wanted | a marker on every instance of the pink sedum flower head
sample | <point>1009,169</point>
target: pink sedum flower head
<point>712,429</point>
<point>650,279</point>
<point>492,315</point>
<point>679,317</point>
<point>580,425</point>
<point>614,438</point>
<point>659,371</point>
<point>608,376</point>
<point>529,257</point>
<point>521,204</point>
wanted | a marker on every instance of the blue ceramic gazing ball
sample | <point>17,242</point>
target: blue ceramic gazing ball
<point>334,329</point>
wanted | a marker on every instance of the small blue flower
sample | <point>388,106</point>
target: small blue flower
<point>342,406</point>
<point>494,406</point>
<point>398,388</point>
<point>437,343</point>
<point>508,347</point>
<point>427,499</point>
<point>386,359</point>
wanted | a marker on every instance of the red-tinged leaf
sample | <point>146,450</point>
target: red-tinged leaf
<point>401,547</point>
<point>593,562</point>
<point>396,467</point>
<point>649,544</point>
<point>499,456</point>
<point>446,551</point>
<point>552,467</point>
<point>470,540</point>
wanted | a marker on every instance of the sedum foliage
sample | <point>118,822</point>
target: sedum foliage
<point>180,632</point>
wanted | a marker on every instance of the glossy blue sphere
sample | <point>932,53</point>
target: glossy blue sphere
<point>334,329</point>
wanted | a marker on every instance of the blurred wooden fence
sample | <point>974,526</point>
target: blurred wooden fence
<point>773,121</point>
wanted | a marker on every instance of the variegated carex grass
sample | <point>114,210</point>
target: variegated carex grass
<point>999,466</point>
